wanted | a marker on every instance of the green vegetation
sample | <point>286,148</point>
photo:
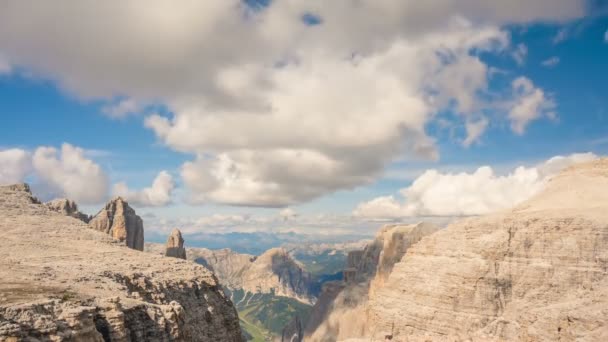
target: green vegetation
<point>323,263</point>
<point>263,316</point>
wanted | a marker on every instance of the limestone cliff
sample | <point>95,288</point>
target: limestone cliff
<point>538,272</point>
<point>119,220</point>
<point>68,208</point>
<point>61,281</point>
<point>175,245</point>
<point>340,311</point>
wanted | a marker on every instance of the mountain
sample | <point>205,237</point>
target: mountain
<point>537,272</point>
<point>61,280</point>
<point>341,309</point>
<point>267,290</point>
<point>241,242</point>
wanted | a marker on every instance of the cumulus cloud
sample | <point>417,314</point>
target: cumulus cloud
<point>70,174</point>
<point>530,103</point>
<point>550,62</point>
<point>159,194</point>
<point>276,111</point>
<point>454,194</point>
<point>15,165</point>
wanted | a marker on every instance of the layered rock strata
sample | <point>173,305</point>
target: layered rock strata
<point>345,315</point>
<point>538,272</point>
<point>61,281</point>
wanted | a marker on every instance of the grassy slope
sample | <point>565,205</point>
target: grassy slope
<point>265,315</point>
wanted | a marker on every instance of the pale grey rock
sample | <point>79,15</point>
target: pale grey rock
<point>120,221</point>
<point>345,316</point>
<point>175,245</point>
<point>67,207</point>
<point>538,272</point>
<point>61,281</point>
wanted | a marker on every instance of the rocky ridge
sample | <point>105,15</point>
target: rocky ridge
<point>68,208</point>
<point>97,289</point>
<point>538,272</point>
<point>120,221</point>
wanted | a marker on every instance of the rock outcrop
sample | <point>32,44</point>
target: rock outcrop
<point>341,311</point>
<point>119,220</point>
<point>52,289</point>
<point>538,272</point>
<point>68,208</point>
<point>175,245</point>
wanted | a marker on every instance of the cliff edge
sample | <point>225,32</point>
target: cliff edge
<point>61,280</point>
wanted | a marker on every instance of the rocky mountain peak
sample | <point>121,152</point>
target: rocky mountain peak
<point>67,207</point>
<point>175,245</point>
<point>121,222</point>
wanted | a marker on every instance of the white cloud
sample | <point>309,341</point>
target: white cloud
<point>15,165</point>
<point>276,112</point>
<point>520,53</point>
<point>550,62</point>
<point>70,174</point>
<point>474,130</point>
<point>480,192</point>
<point>529,103</point>
<point>159,194</point>
<point>288,214</point>
<point>122,108</point>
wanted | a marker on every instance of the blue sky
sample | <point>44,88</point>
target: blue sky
<point>44,104</point>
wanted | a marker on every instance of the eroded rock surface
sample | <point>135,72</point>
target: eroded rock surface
<point>175,245</point>
<point>68,208</point>
<point>341,311</point>
<point>538,272</point>
<point>62,281</point>
<point>119,220</point>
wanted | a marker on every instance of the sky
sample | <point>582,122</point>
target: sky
<point>313,117</point>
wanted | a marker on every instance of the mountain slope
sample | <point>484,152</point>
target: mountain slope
<point>536,272</point>
<point>61,280</point>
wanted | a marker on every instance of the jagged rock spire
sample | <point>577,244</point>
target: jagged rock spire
<point>119,220</point>
<point>175,245</point>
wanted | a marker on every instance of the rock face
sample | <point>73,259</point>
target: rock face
<point>52,289</point>
<point>275,271</point>
<point>175,245</point>
<point>341,310</point>
<point>68,208</point>
<point>538,272</point>
<point>119,220</point>
<point>293,332</point>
